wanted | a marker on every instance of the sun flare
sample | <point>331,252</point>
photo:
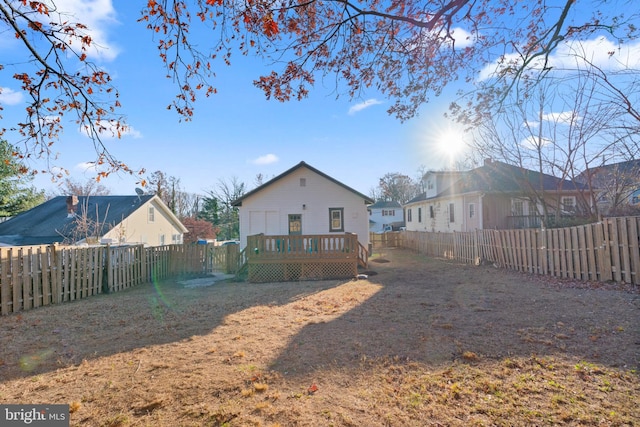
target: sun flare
<point>450,143</point>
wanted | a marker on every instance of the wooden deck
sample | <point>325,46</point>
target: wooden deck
<point>304,257</point>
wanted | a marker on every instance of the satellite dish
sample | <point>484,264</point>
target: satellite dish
<point>139,191</point>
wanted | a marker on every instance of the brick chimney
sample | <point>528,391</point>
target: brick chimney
<point>72,204</point>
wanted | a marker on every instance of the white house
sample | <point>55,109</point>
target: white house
<point>385,216</point>
<point>305,201</point>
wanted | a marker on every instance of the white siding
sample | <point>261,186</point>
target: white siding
<point>268,210</point>
<point>380,221</point>
<point>442,214</point>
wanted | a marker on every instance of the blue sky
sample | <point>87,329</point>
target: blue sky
<point>237,132</point>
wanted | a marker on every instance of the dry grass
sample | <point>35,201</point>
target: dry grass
<point>423,342</point>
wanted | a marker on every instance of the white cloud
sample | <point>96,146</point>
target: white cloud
<point>462,38</point>
<point>565,117</point>
<point>534,143</point>
<point>265,160</point>
<point>110,130</point>
<point>600,52</point>
<point>86,166</point>
<point>576,54</point>
<point>10,97</point>
<point>361,106</point>
<point>99,16</point>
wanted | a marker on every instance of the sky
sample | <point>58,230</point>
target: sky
<point>235,133</point>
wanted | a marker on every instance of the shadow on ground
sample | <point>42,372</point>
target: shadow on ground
<point>52,337</point>
<point>436,312</point>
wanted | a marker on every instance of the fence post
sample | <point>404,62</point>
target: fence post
<point>107,277</point>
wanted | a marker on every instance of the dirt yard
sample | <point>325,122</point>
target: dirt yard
<point>421,342</point>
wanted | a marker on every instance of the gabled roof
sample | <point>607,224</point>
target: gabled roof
<point>499,177</point>
<point>385,205</point>
<point>50,223</point>
<point>238,202</point>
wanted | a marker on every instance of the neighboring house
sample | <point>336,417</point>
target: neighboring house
<point>303,200</point>
<point>616,187</point>
<point>385,216</point>
<point>117,220</point>
<point>496,195</point>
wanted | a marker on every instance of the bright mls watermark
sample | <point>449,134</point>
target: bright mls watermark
<point>34,415</point>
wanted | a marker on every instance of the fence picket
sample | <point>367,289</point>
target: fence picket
<point>5,291</point>
<point>634,246</point>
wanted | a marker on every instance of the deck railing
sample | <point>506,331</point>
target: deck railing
<point>318,246</point>
<point>301,257</point>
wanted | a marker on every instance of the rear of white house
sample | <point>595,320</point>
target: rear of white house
<point>303,201</point>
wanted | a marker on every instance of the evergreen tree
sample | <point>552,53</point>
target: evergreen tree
<point>15,193</point>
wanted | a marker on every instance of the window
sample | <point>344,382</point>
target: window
<point>409,215</point>
<point>419,214</point>
<point>472,210</point>
<point>430,185</point>
<point>175,239</point>
<point>432,212</point>
<point>161,239</point>
<point>336,219</point>
<point>568,204</point>
<point>152,214</point>
<point>452,215</point>
<point>295,224</point>
<point>303,182</point>
<point>388,212</point>
<point>517,207</point>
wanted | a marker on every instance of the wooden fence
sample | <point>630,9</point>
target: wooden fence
<point>605,251</point>
<point>35,276</point>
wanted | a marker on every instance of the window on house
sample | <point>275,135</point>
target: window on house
<point>517,207</point>
<point>295,224</point>
<point>175,239</point>
<point>409,216</point>
<point>432,212</point>
<point>568,204</point>
<point>452,215</point>
<point>472,210</point>
<point>152,214</point>
<point>336,219</point>
<point>430,185</point>
<point>303,182</point>
<point>161,240</point>
<point>419,214</point>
